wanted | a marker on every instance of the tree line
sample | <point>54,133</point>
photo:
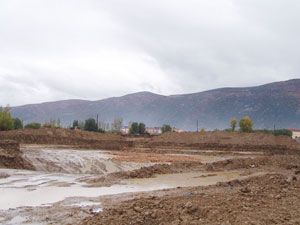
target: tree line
<point>246,125</point>
<point>7,122</point>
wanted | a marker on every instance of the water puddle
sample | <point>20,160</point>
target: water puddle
<point>38,190</point>
<point>186,179</point>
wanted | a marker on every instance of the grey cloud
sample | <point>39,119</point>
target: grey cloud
<point>95,49</point>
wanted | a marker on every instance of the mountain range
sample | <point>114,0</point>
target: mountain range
<point>268,105</point>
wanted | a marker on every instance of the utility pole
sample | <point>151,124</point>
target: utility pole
<point>97,121</point>
<point>197,126</point>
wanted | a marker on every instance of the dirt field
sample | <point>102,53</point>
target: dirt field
<point>168,179</point>
<point>268,199</point>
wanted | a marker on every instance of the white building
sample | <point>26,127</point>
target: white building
<point>150,130</point>
<point>296,133</point>
<point>125,130</point>
<point>153,130</point>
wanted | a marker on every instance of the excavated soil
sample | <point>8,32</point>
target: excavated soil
<point>178,179</point>
<point>78,138</point>
<point>229,141</point>
<point>269,199</point>
<point>12,157</point>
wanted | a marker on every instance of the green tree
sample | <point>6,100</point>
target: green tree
<point>246,124</point>
<point>142,128</point>
<point>75,124</point>
<point>18,124</point>
<point>134,128</point>
<point>6,120</point>
<point>91,125</point>
<point>33,125</point>
<point>233,123</point>
<point>283,132</point>
<point>166,128</point>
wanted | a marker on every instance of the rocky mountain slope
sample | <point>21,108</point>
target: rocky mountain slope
<point>271,104</point>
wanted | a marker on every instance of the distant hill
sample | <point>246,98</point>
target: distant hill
<point>275,103</point>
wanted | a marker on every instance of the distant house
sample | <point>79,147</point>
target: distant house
<point>150,130</point>
<point>153,130</point>
<point>178,130</point>
<point>296,133</point>
<point>125,130</point>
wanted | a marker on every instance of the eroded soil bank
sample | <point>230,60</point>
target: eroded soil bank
<point>69,180</point>
<point>169,179</point>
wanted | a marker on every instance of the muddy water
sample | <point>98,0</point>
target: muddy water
<point>187,179</point>
<point>35,189</point>
<point>59,176</point>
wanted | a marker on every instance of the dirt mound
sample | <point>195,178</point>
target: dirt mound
<point>67,137</point>
<point>203,141</point>
<point>11,156</point>
<point>233,203</point>
<point>275,161</point>
<point>225,141</point>
<point>145,172</point>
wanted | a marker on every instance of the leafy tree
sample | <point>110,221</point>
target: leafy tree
<point>246,124</point>
<point>166,128</point>
<point>233,123</point>
<point>283,132</point>
<point>101,130</point>
<point>142,128</point>
<point>75,124</point>
<point>33,126</point>
<point>91,125</point>
<point>134,128</point>
<point>6,120</point>
<point>278,132</point>
<point>18,124</point>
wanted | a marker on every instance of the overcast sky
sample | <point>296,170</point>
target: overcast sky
<point>93,49</point>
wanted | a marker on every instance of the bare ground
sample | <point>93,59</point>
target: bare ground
<point>270,194</point>
<point>269,199</point>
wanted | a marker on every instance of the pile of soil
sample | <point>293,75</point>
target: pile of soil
<point>269,199</point>
<point>11,156</point>
<point>286,162</point>
<point>225,141</point>
<point>76,138</point>
<point>144,172</point>
<point>232,141</point>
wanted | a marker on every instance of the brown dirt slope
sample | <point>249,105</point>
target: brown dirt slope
<point>265,200</point>
<point>11,156</point>
<point>226,140</point>
<point>67,137</point>
<point>202,141</point>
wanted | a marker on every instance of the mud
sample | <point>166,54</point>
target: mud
<point>210,178</point>
<point>230,203</point>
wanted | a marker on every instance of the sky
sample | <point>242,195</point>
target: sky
<point>93,49</point>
